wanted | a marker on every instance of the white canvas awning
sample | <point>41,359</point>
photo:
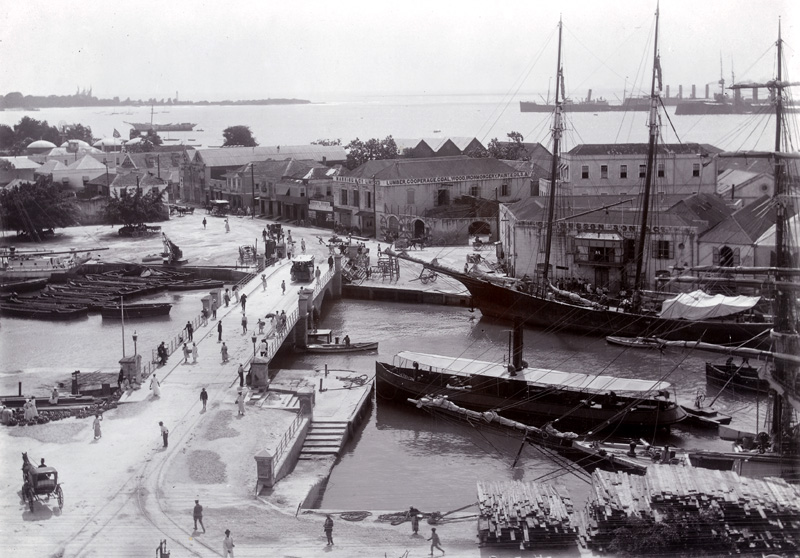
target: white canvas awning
<point>698,305</point>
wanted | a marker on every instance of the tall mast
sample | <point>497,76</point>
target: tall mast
<point>651,161</point>
<point>551,201</point>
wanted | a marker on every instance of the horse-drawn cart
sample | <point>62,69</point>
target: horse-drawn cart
<point>40,481</point>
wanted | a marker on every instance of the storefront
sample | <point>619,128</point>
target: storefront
<point>320,213</point>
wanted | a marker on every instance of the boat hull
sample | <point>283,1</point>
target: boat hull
<point>133,311</point>
<point>506,303</point>
<point>341,347</point>
<point>538,406</point>
<point>744,377</point>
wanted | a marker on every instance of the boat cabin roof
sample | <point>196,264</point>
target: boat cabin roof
<point>573,381</point>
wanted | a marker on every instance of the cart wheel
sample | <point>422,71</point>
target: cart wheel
<point>424,279</point>
<point>434,276</point>
<point>60,496</point>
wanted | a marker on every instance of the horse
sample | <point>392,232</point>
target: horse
<point>26,466</point>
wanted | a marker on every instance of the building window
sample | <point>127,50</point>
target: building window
<point>355,198</point>
<point>585,172</point>
<point>343,196</point>
<point>369,200</point>
<point>662,249</point>
<point>504,190</point>
<point>475,191</point>
<point>442,197</point>
<point>642,171</point>
<point>604,171</point>
<point>564,171</point>
<point>623,171</point>
<point>696,169</point>
<point>409,197</point>
<point>660,170</point>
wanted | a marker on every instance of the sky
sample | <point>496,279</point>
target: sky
<point>335,49</point>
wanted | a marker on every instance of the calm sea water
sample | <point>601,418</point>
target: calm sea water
<point>413,116</point>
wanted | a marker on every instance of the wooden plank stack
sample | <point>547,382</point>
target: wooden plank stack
<point>758,515</point>
<point>528,515</point>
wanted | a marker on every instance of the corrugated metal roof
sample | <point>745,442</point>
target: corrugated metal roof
<point>429,167</point>
<point>746,225</point>
<point>237,156</point>
<point>593,149</point>
<point>21,162</point>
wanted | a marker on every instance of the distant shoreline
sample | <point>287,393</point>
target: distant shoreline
<point>31,102</point>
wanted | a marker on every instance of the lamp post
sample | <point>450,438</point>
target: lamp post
<point>108,185</point>
<point>135,337</point>
<point>254,338</point>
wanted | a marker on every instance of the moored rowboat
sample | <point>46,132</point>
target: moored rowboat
<point>342,347</point>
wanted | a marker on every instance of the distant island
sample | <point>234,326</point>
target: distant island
<point>84,98</point>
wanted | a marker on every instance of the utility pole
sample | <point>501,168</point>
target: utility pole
<point>253,184</point>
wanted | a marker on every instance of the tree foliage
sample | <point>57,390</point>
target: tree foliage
<point>134,208</point>
<point>34,207</point>
<point>26,131</point>
<point>77,132</point>
<point>327,142</point>
<point>239,136</point>
<point>512,149</point>
<point>359,152</point>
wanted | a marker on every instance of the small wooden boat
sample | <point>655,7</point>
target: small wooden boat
<point>24,311</point>
<point>130,311</point>
<point>196,284</point>
<point>637,342</point>
<point>736,376</point>
<point>342,347</point>
<point>23,286</point>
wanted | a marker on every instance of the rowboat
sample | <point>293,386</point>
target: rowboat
<point>742,377</point>
<point>129,311</point>
<point>342,347</point>
<point>637,342</point>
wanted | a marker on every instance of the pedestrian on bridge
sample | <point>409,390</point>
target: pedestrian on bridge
<point>244,324</point>
<point>186,352</point>
<point>303,245</point>
<point>194,353</point>
<point>317,274</point>
<point>197,514</point>
<point>283,287</point>
<point>204,223</point>
<point>224,352</point>
<point>240,403</point>
<point>204,398</point>
<point>189,330</point>
<point>213,309</point>
<point>241,375</point>
<point>263,282</point>
<point>243,300</point>
<point>219,331</point>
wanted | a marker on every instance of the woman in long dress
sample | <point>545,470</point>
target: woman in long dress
<point>155,385</point>
<point>240,402</point>
<point>97,418</point>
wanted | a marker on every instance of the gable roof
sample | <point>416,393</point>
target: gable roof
<point>133,179</point>
<point>50,166</point>
<point>459,167</point>
<point>21,162</point>
<point>87,162</point>
<point>704,211</point>
<point>238,156</point>
<point>746,225</point>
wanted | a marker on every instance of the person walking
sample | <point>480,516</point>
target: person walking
<point>189,331</point>
<point>197,515</point>
<point>328,528</point>
<point>330,262</point>
<point>155,386</point>
<point>227,298</point>
<point>204,223</point>
<point>414,514</point>
<point>224,352</point>
<point>241,375</point>
<point>240,403</point>
<point>303,245</point>
<point>204,317</point>
<point>227,226</point>
<point>317,274</point>
<point>243,300</point>
<point>219,331</point>
<point>435,542</point>
<point>194,353</point>
<point>283,287</point>
<point>213,309</point>
<point>204,398</point>
<point>263,282</point>
<point>164,433</point>
<point>244,324</point>
<point>227,544</point>
<point>186,352</point>
<point>97,433</point>
<point>236,293</point>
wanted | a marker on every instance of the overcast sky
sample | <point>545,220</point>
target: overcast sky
<point>329,50</point>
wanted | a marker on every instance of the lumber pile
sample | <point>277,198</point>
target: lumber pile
<point>755,515</point>
<point>528,515</point>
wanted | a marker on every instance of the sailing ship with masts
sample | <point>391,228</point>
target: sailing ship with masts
<point>560,248</point>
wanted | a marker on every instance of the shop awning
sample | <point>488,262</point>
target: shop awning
<point>364,213</point>
<point>342,210</point>
<point>598,236</point>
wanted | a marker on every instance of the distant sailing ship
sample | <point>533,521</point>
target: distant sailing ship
<point>147,126</point>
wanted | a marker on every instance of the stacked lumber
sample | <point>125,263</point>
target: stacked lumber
<point>757,515</point>
<point>528,515</point>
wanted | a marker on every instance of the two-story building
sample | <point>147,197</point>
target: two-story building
<point>619,169</point>
<point>396,194</point>
<point>599,245</point>
<point>203,170</point>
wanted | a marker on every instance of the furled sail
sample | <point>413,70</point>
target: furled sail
<point>698,305</point>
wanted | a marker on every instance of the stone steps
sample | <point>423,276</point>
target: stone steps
<point>324,438</point>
